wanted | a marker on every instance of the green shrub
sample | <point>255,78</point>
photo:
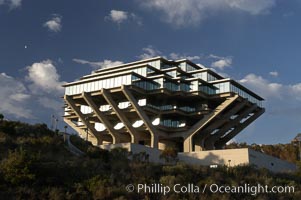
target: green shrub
<point>18,167</point>
<point>170,155</point>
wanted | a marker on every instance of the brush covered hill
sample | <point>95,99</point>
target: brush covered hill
<point>35,163</point>
<point>289,152</point>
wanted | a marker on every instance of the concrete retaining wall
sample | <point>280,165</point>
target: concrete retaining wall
<point>228,157</point>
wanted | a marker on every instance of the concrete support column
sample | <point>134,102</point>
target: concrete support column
<point>84,119</point>
<point>99,141</point>
<point>135,139</point>
<point>163,144</point>
<point>122,117</point>
<point>188,144</point>
<point>198,143</point>
<point>116,140</point>
<point>154,141</point>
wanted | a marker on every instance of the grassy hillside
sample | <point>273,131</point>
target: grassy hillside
<point>35,164</point>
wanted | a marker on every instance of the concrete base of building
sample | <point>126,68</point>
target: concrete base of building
<point>236,157</point>
<point>154,154</point>
<point>214,158</point>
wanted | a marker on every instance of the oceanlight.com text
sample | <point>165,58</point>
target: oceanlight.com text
<point>158,188</point>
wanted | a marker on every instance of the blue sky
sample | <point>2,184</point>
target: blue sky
<point>44,44</point>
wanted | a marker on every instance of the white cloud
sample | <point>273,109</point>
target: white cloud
<point>192,12</point>
<point>11,3</point>
<point>253,7</point>
<point>221,63</point>
<point>38,95</point>
<point>288,14</point>
<point>51,103</point>
<point>54,24</point>
<point>283,108</point>
<point>20,97</point>
<point>280,99</point>
<point>262,86</point>
<point>274,73</point>
<point>296,90</point>
<point>118,16</point>
<point>149,52</point>
<point>100,64</point>
<point>14,97</point>
<point>136,19</point>
<point>44,77</point>
<point>176,56</point>
<point>15,3</point>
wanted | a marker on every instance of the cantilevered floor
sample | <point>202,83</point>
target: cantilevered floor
<point>160,103</point>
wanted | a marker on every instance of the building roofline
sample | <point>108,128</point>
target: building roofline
<point>100,78</point>
<point>239,86</point>
<point>112,70</point>
<point>140,63</point>
<point>189,62</point>
<point>209,70</point>
<point>132,63</point>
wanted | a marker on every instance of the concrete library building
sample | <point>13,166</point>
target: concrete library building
<point>156,103</point>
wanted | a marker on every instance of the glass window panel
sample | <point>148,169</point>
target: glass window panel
<point>67,90</point>
<point>76,89</point>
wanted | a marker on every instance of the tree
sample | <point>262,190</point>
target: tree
<point>1,117</point>
<point>18,167</point>
<point>170,155</point>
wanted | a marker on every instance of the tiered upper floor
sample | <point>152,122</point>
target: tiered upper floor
<point>159,73</point>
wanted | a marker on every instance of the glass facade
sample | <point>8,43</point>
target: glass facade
<point>222,87</point>
<point>173,84</point>
<point>142,71</point>
<point>172,73</point>
<point>198,86</point>
<point>187,67</point>
<point>187,109</point>
<point>175,96</point>
<point>155,64</point>
<point>167,107</point>
<point>147,85</point>
<point>165,66</point>
<point>185,87</point>
<point>211,77</point>
<point>207,89</point>
<point>201,75</point>
<point>205,76</point>
<point>98,85</point>
<point>172,123</point>
<point>229,87</point>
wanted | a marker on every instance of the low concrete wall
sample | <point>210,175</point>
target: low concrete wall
<point>262,160</point>
<point>228,157</point>
<point>154,154</point>
<point>235,157</point>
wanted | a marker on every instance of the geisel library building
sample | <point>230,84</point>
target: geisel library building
<point>157,103</point>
